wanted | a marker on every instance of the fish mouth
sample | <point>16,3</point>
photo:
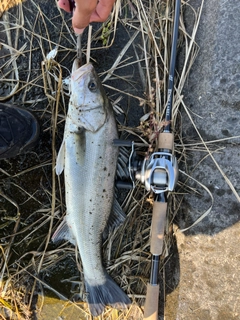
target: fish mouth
<point>78,71</point>
<point>77,66</point>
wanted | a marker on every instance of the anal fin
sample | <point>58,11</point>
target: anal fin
<point>63,233</point>
<point>116,218</point>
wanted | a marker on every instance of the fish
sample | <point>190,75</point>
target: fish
<point>89,159</point>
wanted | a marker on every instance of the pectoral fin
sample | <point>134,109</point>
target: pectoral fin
<point>60,159</point>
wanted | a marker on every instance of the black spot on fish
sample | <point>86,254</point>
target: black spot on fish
<point>104,169</point>
<point>104,190</point>
<point>90,212</point>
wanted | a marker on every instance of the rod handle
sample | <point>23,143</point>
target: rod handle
<point>166,140</point>
<point>151,303</point>
<point>158,227</point>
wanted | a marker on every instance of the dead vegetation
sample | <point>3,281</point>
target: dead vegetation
<point>32,197</point>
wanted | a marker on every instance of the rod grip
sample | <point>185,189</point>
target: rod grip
<point>151,303</point>
<point>166,140</point>
<point>158,226</point>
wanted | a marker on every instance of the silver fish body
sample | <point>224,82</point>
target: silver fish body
<point>89,160</point>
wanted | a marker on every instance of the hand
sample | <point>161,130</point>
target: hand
<point>87,11</point>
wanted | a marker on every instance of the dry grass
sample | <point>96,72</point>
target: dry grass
<point>32,197</point>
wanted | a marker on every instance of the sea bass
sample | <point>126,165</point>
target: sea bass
<point>89,159</point>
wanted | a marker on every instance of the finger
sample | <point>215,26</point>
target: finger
<point>78,30</point>
<point>64,4</point>
<point>82,14</point>
<point>102,11</point>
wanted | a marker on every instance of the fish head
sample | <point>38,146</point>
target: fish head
<point>89,104</point>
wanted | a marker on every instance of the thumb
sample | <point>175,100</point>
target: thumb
<point>79,21</point>
<point>82,14</point>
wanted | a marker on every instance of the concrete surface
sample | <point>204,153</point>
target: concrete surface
<point>209,253</point>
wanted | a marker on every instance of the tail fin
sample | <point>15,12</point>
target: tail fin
<point>109,293</point>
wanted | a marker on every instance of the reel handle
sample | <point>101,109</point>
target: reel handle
<point>124,184</point>
<point>122,143</point>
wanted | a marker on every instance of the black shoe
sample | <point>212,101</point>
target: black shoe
<point>19,130</point>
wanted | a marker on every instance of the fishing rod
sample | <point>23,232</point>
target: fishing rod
<point>159,174</point>
<point>164,172</point>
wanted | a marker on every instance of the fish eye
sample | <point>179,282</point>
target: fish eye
<point>92,86</point>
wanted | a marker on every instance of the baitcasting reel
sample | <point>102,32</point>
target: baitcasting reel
<point>158,173</point>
